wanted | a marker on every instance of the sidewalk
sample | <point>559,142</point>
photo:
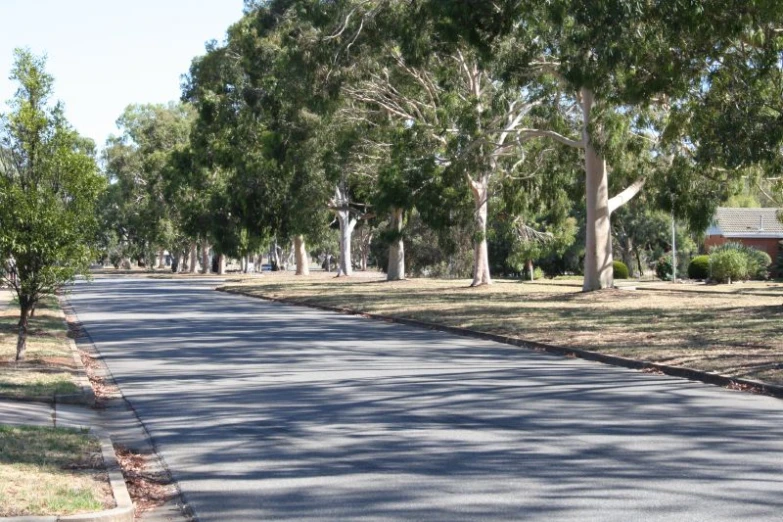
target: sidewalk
<point>53,415</point>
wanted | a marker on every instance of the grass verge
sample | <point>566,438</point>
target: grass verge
<point>51,471</point>
<point>733,330</point>
<point>49,366</point>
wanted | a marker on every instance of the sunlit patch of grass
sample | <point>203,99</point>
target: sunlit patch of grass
<point>51,471</point>
<point>47,348</point>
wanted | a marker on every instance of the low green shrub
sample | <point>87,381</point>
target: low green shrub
<point>729,265</point>
<point>699,267</point>
<point>620,270</point>
<point>757,261</point>
<point>538,273</point>
<point>663,268</point>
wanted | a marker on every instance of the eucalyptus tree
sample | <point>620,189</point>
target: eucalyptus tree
<point>620,61</point>
<point>136,163</point>
<point>49,187</point>
<point>401,65</point>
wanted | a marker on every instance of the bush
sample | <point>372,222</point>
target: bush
<point>620,270</point>
<point>538,273</point>
<point>757,261</point>
<point>729,265</point>
<point>699,267</point>
<point>758,267</point>
<point>663,268</point>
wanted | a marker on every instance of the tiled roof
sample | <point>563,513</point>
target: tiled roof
<point>748,221</point>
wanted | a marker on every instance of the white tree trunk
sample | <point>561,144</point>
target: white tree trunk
<point>396,268</point>
<point>481,253</point>
<point>193,258</point>
<point>161,258</point>
<point>221,264</point>
<point>347,224</point>
<point>302,259</point>
<point>598,244</point>
<point>205,258</point>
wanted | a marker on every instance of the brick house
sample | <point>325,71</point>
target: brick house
<point>755,227</point>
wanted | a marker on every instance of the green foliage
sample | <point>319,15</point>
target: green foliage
<point>757,262</point>
<point>538,273</point>
<point>49,187</point>
<point>663,268</point>
<point>699,267</point>
<point>620,270</point>
<point>729,265</point>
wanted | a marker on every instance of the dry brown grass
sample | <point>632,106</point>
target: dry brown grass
<point>48,365</point>
<point>51,471</point>
<point>734,330</point>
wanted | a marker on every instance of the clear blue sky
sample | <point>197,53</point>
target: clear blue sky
<point>107,54</point>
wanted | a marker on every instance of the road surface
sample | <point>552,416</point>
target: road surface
<point>272,412</point>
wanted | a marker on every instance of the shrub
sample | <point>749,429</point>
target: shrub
<point>699,267</point>
<point>538,273</point>
<point>663,268</point>
<point>620,270</point>
<point>729,265</point>
<point>757,261</point>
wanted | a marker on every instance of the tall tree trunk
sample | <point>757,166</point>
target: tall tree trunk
<point>638,260</point>
<point>193,258</point>
<point>396,268</point>
<point>598,245</point>
<point>302,259</point>
<point>205,257</point>
<point>628,254</point>
<point>221,264</point>
<point>21,341</point>
<point>531,271</point>
<point>347,224</point>
<point>480,251</point>
<point>161,258</point>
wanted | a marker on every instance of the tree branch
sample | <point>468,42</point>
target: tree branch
<point>626,195</point>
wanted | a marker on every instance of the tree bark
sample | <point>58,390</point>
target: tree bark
<point>193,258</point>
<point>221,264</point>
<point>598,245</point>
<point>530,270</point>
<point>481,274</point>
<point>396,268</point>
<point>347,224</point>
<point>302,259</point>
<point>21,341</point>
<point>161,258</point>
<point>205,257</point>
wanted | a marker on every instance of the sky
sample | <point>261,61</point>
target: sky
<point>107,54</point>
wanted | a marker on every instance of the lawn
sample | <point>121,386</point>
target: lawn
<point>51,471</point>
<point>735,330</point>
<point>49,365</point>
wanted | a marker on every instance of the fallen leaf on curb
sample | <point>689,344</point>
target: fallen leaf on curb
<point>738,386</point>
<point>147,489</point>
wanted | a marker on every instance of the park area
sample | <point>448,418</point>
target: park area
<point>734,330</point>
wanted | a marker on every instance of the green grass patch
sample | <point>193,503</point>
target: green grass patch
<point>51,471</point>
<point>48,350</point>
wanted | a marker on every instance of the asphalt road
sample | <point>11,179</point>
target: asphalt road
<point>280,413</point>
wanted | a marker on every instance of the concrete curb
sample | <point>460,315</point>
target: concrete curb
<point>123,512</point>
<point>614,360</point>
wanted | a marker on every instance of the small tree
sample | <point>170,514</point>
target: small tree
<point>49,186</point>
